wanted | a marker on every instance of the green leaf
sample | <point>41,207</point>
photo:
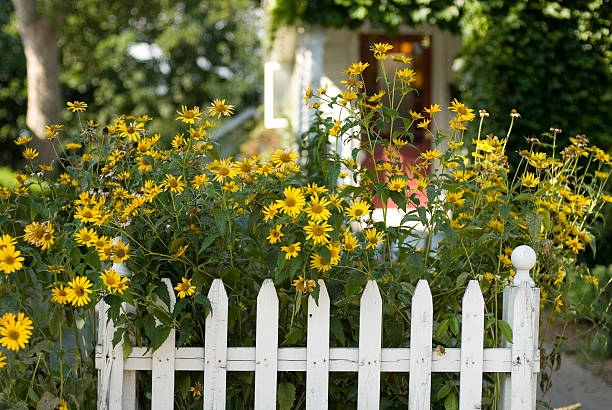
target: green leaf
<point>184,332</point>
<point>451,402</point>
<point>454,325</point>
<point>505,329</point>
<point>443,392</point>
<point>220,221</point>
<point>47,402</point>
<point>286,396</point>
<point>204,302</point>
<point>127,346</point>
<point>534,223</point>
<point>441,329</point>
<point>337,330</point>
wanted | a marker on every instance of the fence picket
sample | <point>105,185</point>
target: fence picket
<point>266,347</point>
<point>421,324</point>
<point>317,351</point>
<point>523,348</point>
<point>472,353</point>
<point>370,339</point>
<point>215,348</point>
<point>162,386</point>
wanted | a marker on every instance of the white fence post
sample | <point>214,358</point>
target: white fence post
<point>421,326</point>
<point>370,339</point>
<point>266,347</point>
<point>215,348</point>
<point>521,311</point>
<point>162,387</point>
<point>317,351</point>
<point>472,353</point>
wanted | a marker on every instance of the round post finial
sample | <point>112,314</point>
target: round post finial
<point>523,259</point>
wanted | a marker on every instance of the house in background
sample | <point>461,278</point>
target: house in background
<point>308,55</point>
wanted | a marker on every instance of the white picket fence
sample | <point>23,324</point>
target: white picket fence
<point>517,362</point>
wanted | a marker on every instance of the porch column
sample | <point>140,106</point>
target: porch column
<point>309,64</point>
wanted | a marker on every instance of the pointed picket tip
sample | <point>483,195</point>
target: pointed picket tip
<point>422,290</point>
<point>371,291</point>
<point>323,291</point>
<point>217,290</point>
<point>267,291</point>
<point>171,293</point>
<point>473,293</point>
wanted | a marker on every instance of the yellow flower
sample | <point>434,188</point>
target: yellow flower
<point>281,159</point>
<point>455,198</point>
<point>110,278</point>
<point>463,112</point>
<point>304,285</point>
<point>397,184</point>
<point>292,250</point>
<point>200,180</point>
<point>313,188</point>
<point>293,203</point>
<point>85,236</point>
<point>24,139</point>
<point>174,184</point>
<point>30,153</point>
<point>87,214</point>
<point>406,75</point>
<point>318,232</point>
<point>76,106</point>
<point>39,234</point>
<point>373,238</point>
<point>358,209</point>
<point>561,272</point>
<point>2,360</point>
<point>52,131</point>
<point>558,302</point>
<point>607,198</point>
<point>529,180</point>
<point>317,209</point>
<point>320,263</point>
<point>189,116</point>
<point>197,389</point>
<point>59,295</point>
<point>355,69</point>
<point>402,59</point>
<point>78,291</point>
<point>275,234</point>
<point>7,240</point>
<point>10,259</point>
<point>15,332</point>
<point>73,145</point>
<point>505,260</point>
<point>132,131</point>
<point>179,139</point>
<point>347,96</point>
<point>219,108</point>
<point>223,169</point>
<point>376,96</point>
<point>430,155</point>
<point>62,405</point>
<point>423,124</point>
<point>591,279</point>
<point>380,50</point>
<point>455,144</point>
<point>270,211</point>
<point>600,174</point>
<point>335,129</point>
<point>185,288</point>
<point>574,244</point>
<point>399,142</point>
<point>497,225</point>
<point>416,115</point>
<point>434,108</point>
<point>456,224</point>
<point>121,252</point>
<point>349,241</point>
<point>489,276</point>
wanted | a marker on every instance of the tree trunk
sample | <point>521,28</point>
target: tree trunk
<point>42,58</point>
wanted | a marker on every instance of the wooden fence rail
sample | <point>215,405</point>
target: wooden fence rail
<point>518,362</point>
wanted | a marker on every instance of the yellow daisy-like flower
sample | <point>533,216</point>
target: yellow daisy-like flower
<point>529,180</point>
<point>336,201</point>
<point>304,285</point>
<point>416,115</point>
<point>430,155</point>
<point>223,169</point>
<point>319,263</point>
<point>62,405</point>
<point>39,234</point>
<point>293,203</point>
<point>462,176</point>
<point>373,238</point>
<point>402,59</point>
<point>275,234</point>
<point>110,278</point>
<point>607,198</point>
<point>406,75</point>
<point>78,291</point>
<point>281,159</point>
<point>347,96</point>
<point>30,153</point>
<point>121,252</point>
<point>358,209</point>
<point>86,237</point>
<point>497,225</point>
<point>88,214</point>
<point>355,69</point>
<point>189,116</point>
<point>399,142</point>
<point>270,211</point>
<point>380,50</point>
<point>349,241</point>
<point>317,209</point>
<point>489,277</point>
<point>219,108</point>
<point>133,131</point>
<point>7,240</point>
<point>59,295</point>
<point>318,232</point>
<point>199,181</point>
<point>10,259</point>
<point>52,131</point>
<point>73,145</point>
<point>291,251</point>
<point>397,184</point>
<point>185,288</point>
<point>463,112</point>
<point>174,184</point>
<point>423,124</point>
<point>24,139</point>
<point>15,332</point>
<point>455,198</point>
<point>230,186</point>
<point>434,108</point>
<point>76,106</point>
<point>456,224</point>
<point>2,360</point>
<point>455,144</point>
<point>196,389</point>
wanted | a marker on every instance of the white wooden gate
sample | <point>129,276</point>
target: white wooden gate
<point>518,362</point>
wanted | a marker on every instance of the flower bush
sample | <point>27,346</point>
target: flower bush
<point>118,211</point>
